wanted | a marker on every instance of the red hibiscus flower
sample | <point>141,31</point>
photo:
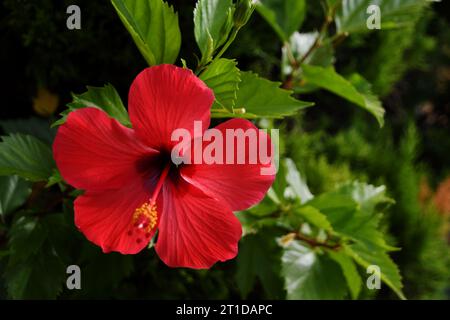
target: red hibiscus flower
<point>132,188</point>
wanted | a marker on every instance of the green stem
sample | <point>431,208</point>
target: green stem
<point>290,55</point>
<point>314,243</point>
<point>224,48</point>
<point>288,84</point>
<point>317,42</point>
<point>227,44</point>
<point>338,38</point>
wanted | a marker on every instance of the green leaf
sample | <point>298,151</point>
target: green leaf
<point>277,191</point>
<point>27,236</point>
<point>13,193</point>
<point>223,77</point>
<point>296,183</point>
<point>55,178</point>
<point>284,16</point>
<point>314,216</point>
<point>34,269</point>
<point>26,157</point>
<point>348,220</point>
<point>372,103</point>
<point>263,98</point>
<point>367,231</point>
<point>352,14</point>
<point>98,273</point>
<point>328,79</point>
<point>349,270</point>
<point>272,195</point>
<point>309,275</point>
<point>339,209</point>
<point>253,223</point>
<point>259,258</point>
<point>153,25</point>
<point>264,208</point>
<point>350,211</point>
<point>366,195</point>
<point>213,20</point>
<point>36,127</point>
<point>40,278</point>
<point>363,226</point>
<point>367,255</point>
<point>105,98</point>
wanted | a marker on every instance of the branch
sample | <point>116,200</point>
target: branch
<point>310,241</point>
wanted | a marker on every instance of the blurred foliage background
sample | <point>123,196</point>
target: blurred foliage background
<point>331,143</point>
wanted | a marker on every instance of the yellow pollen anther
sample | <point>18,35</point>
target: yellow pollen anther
<point>145,217</point>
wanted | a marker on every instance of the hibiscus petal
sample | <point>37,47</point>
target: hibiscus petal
<point>195,230</point>
<point>239,185</point>
<point>164,98</point>
<point>106,217</point>
<point>93,151</point>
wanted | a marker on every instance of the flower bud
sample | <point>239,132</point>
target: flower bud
<point>244,10</point>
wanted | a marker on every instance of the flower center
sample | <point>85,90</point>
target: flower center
<point>145,217</point>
